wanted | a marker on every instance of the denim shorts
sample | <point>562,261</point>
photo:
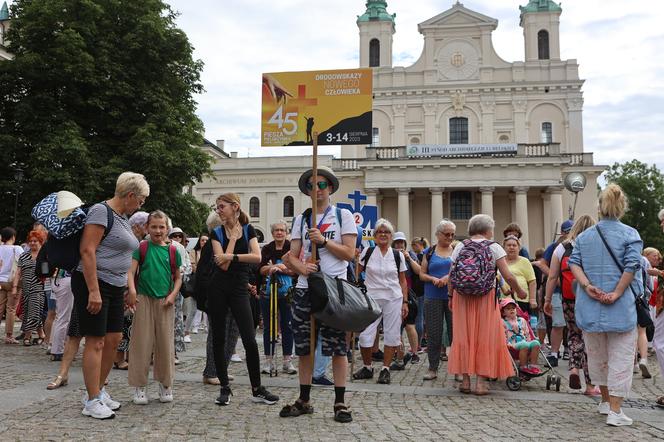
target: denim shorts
<point>557,317</point>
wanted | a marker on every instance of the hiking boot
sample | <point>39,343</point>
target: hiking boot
<point>363,373</point>
<point>377,356</point>
<point>96,409</point>
<point>261,395</point>
<point>384,376</point>
<point>225,394</point>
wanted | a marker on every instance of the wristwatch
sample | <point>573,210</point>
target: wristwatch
<point>235,258</point>
<point>405,301</point>
<point>324,243</point>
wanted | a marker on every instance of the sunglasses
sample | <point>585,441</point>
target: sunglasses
<point>322,185</point>
<point>176,235</point>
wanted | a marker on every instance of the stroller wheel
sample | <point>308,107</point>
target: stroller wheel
<point>557,384</point>
<point>513,383</point>
<point>548,382</point>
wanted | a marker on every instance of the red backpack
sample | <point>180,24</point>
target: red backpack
<point>566,276</point>
<point>143,250</point>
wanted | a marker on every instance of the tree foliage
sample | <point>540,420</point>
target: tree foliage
<point>99,87</point>
<point>644,187</point>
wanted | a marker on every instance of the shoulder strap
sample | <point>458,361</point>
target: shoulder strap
<point>430,253</point>
<point>338,211</point>
<point>397,260</point>
<point>172,250</point>
<point>245,232</point>
<point>367,255</point>
<point>220,235</point>
<point>110,219</point>
<point>569,248</point>
<point>142,251</point>
<point>613,256</point>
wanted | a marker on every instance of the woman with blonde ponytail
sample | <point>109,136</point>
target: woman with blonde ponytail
<point>235,247</point>
<point>606,262</point>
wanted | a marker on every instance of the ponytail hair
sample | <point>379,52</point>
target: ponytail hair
<point>234,198</point>
<point>612,202</point>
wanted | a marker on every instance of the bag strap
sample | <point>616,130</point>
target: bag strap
<point>613,256</point>
<point>110,219</point>
<point>142,251</point>
<point>172,250</point>
<point>367,255</point>
<point>397,260</point>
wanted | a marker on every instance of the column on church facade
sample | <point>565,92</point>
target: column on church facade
<point>546,206</point>
<point>487,200</point>
<point>556,207</point>
<point>436,208</point>
<point>521,206</point>
<point>372,199</point>
<point>403,211</point>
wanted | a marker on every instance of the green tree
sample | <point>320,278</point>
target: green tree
<point>98,87</point>
<point>644,187</point>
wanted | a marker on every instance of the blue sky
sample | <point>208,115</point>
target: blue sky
<point>615,42</point>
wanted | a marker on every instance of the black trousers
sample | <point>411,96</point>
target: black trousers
<point>232,296</point>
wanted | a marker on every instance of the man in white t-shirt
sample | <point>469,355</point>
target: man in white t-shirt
<point>333,231</point>
<point>9,254</point>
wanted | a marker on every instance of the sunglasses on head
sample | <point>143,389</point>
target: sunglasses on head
<point>322,185</point>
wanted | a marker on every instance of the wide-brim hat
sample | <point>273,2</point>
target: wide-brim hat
<point>321,171</point>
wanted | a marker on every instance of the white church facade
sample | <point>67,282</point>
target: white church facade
<point>459,132</point>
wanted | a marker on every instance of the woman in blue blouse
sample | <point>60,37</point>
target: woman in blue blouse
<point>605,294</point>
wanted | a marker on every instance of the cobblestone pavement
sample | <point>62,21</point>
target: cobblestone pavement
<point>408,409</point>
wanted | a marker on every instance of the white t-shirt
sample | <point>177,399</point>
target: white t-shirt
<point>329,227</point>
<point>381,277</point>
<point>497,251</point>
<point>8,255</point>
<point>559,251</point>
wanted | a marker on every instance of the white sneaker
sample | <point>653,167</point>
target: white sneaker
<point>165,394</point>
<point>108,400</point>
<point>603,408</point>
<point>187,339</point>
<point>140,396</point>
<point>236,358</point>
<point>96,409</point>
<point>289,368</point>
<point>618,419</point>
<point>268,367</point>
<point>643,365</point>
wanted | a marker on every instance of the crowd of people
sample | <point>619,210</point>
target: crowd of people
<point>487,309</point>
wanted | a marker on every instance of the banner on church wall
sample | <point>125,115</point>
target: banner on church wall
<point>443,150</point>
<point>336,103</point>
<point>365,215</point>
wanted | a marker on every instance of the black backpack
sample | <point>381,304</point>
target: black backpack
<point>397,258</point>
<point>203,276</point>
<point>65,253</point>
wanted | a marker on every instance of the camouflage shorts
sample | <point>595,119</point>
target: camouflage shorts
<point>333,340</point>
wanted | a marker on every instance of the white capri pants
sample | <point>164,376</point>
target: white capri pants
<point>611,360</point>
<point>64,301</point>
<point>391,318</point>
<point>658,339</point>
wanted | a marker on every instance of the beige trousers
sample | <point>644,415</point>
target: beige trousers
<point>611,359</point>
<point>152,332</point>
<point>8,302</point>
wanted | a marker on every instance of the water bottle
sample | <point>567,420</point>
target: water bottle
<point>533,322</point>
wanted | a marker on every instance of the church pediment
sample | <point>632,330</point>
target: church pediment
<point>458,16</point>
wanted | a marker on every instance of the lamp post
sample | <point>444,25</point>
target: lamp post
<point>18,177</point>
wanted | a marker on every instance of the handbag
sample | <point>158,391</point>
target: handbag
<point>642,312</point>
<point>341,305</point>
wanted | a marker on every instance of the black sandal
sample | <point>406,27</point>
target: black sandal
<point>297,409</point>
<point>342,414</point>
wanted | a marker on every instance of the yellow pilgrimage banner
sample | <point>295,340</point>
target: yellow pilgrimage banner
<point>336,104</point>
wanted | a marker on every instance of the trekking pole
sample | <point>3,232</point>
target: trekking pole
<point>312,258</point>
<point>273,324</point>
<point>352,334</point>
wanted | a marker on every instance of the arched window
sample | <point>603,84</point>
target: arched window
<point>259,236</point>
<point>546,135</point>
<point>374,53</point>
<point>461,204</point>
<point>375,137</point>
<point>543,45</point>
<point>254,207</point>
<point>459,130</point>
<point>289,206</point>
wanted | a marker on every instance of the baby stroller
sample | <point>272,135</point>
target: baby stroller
<point>514,382</point>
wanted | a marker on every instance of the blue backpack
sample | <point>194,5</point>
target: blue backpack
<point>284,282</point>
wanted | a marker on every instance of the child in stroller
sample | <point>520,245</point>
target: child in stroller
<point>520,339</point>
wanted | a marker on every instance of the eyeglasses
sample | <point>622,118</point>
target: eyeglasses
<point>322,185</point>
<point>383,232</point>
<point>139,199</point>
<point>448,235</point>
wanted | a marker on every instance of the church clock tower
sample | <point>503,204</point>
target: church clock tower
<point>376,30</point>
<point>540,20</point>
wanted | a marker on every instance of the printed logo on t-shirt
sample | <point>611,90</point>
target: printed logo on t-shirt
<point>327,230</point>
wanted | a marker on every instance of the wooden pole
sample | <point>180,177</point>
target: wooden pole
<point>313,257</point>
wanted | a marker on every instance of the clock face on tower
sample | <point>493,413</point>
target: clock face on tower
<point>457,60</point>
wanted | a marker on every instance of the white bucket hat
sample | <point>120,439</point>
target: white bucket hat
<point>67,202</point>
